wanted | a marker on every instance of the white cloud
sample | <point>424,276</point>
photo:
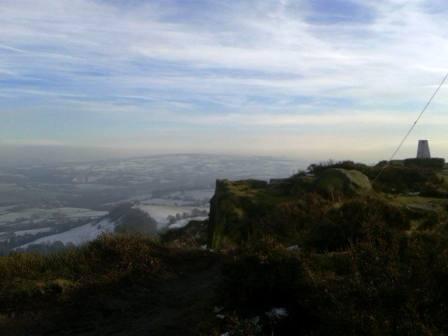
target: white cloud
<point>251,59</point>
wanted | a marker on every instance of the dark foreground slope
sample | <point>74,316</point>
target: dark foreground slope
<point>117,285</point>
<point>388,284</point>
<point>325,253</point>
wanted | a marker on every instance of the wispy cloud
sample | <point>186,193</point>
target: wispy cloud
<point>191,64</point>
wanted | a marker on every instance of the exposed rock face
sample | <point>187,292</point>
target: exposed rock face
<point>347,182</point>
<point>227,210</point>
<point>244,211</point>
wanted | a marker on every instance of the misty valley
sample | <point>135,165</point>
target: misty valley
<point>44,207</point>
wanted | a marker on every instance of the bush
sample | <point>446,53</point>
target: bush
<point>256,282</point>
<point>344,226</point>
<point>434,163</point>
<point>28,279</point>
<point>396,179</point>
<point>192,235</point>
<point>136,221</point>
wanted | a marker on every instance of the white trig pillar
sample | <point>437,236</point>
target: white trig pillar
<point>423,150</point>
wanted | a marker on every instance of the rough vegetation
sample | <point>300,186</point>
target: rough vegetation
<point>324,252</point>
<point>125,285</point>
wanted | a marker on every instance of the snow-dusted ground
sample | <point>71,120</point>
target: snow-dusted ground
<point>183,205</point>
<point>37,215</point>
<point>80,213</point>
<point>79,235</point>
<point>32,232</point>
<point>93,187</point>
<point>3,236</point>
<point>199,195</point>
<point>5,209</point>
<point>181,223</point>
<point>166,202</point>
<point>10,187</point>
<point>161,212</point>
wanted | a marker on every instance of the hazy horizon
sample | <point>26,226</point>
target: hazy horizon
<point>308,79</point>
<point>17,155</point>
<point>53,154</point>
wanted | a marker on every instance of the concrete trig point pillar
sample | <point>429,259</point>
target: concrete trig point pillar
<point>423,150</point>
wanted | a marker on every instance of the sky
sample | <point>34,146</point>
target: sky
<point>312,79</point>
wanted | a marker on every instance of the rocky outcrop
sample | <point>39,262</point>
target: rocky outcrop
<point>244,211</point>
<point>228,210</point>
<point>343,181</point>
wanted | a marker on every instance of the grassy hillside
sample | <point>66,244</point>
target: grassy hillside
<point>125,285</point>
<point>323,253</point>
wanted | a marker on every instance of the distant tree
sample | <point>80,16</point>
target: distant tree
<point>136,221</point>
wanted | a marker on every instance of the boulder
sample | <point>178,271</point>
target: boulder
<point>343,181</point>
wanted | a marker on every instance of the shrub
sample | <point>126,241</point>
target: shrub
<point>136,221</point>
<point>346,225</point>
<point>28,279</point>
<point>433,163</point>
<point>396,179</point>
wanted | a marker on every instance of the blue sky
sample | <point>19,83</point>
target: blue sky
<point>315,79</point>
